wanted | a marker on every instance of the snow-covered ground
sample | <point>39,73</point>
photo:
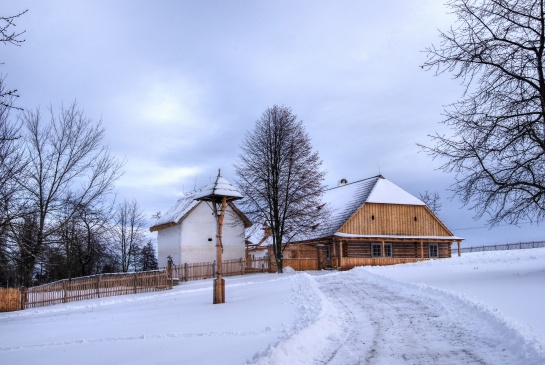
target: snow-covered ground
<point>482,308</point>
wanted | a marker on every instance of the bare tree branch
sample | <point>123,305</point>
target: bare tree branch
<point>497,150</point>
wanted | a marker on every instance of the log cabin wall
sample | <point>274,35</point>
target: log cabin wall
<point>362,249</point>
<point>394,219</point>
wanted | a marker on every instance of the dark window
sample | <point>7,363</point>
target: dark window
<point>388,249</point>
<point>434,250</point>
<point>376,250</point>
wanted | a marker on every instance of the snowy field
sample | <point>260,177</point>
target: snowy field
<point>481,308</point>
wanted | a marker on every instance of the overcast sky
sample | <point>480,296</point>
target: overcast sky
<point>177,84</point>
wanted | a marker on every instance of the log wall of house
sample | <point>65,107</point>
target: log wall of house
<point>395,219</point>
<point>357,249</point>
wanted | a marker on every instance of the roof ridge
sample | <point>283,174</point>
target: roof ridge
<point>354,182</point>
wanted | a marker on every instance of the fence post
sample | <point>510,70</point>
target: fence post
<point>214,269</point>
<point>23,297</point>
<point>98,285</point>
<point>186,272</point>
<point>64,291</point>
<point>241,267</point>
<point>169,270</point>
<point>134,282</point>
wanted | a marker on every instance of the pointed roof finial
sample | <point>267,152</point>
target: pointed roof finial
<point>219,172</point>
<point>218,189</point>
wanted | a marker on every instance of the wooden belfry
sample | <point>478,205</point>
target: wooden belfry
<point>218,194</point>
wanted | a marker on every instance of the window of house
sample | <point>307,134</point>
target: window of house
<point>388,250</point>
<point>376,250</point>
<point>434,250</point>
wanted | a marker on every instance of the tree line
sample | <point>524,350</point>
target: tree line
<point>58,214</point>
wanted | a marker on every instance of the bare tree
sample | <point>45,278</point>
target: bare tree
<point>432,200</point>
<point>497,151</point>
<point>129,233</point>
<point>83,238</point>
<point>66,162</point>
<point>11,162</point>
<point>280,178</point>
<point>9,36</point>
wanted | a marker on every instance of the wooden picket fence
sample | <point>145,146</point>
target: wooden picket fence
<point>207,270</point>
<point>106,285</point>
<point>88,287</point>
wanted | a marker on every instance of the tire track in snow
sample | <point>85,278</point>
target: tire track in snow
<point>173,336</point>
<point>386,322</point>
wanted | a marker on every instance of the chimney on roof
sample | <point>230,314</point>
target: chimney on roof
<point>342,182</point>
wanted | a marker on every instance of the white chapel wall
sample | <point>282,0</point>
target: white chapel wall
<point>168,244</point>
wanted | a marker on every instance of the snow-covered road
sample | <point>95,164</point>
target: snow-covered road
<point>388,323</point>
<point>368,319</point>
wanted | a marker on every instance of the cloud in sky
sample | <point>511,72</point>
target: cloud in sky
<point>178,84</point>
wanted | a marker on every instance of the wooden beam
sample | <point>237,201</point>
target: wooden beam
<point>421,249</point>
<point>341,254</point>
<point>382,248</point>
<point>459,249</point>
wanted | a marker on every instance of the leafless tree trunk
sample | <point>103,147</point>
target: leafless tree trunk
<point>497,151</point>
<point>280,178</point>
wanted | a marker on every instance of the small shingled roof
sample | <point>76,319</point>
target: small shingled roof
<point>219,188</point>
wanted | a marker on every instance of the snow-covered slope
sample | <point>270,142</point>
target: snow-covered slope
<point>480,308</point>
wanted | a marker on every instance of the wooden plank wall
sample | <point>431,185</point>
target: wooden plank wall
<point>352,262</point>
<point>301,264</point>
<point>394,219</point>
<point>10,299</point>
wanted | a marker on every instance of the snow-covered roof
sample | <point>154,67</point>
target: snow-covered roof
<point>344,200</point>
<point>175,214</point>
<point>219,188</point>
<point>387,192</point>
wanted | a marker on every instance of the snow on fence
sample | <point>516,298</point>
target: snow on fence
<point>507,246</point>
<point>95,286</point>
<point>207,270</point>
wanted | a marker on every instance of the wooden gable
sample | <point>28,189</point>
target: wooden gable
<point>394,219</point>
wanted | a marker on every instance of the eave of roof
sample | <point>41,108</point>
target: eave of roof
<point>401,237</point>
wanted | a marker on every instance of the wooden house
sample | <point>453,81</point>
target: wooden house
<point>371,222</point>
<point>187,232</point>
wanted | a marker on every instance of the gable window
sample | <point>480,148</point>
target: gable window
<point>434,250</point>
<point>388,250</point>
<point>376,250</point>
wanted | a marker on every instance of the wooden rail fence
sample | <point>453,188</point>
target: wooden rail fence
<point>507,246</point>
<point>89,287</point>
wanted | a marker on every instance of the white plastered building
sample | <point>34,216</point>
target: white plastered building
<point>187,232</point>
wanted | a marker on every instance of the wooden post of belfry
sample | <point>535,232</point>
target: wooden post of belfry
<point>459,249</point>
<point>219,282</point>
